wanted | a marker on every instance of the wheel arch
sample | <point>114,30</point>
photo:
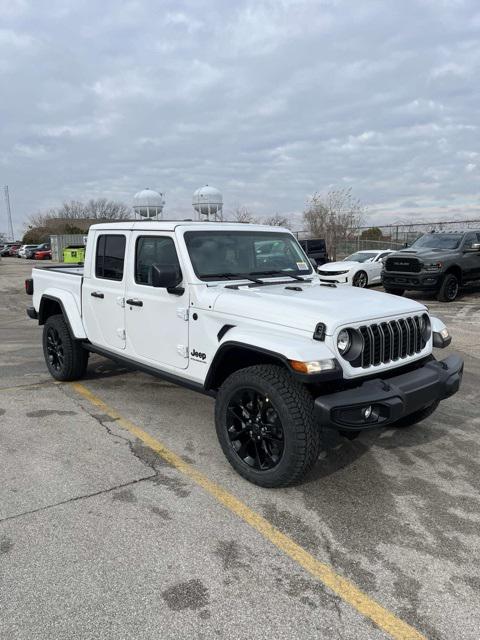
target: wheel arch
<point>456,271</point>
<point>51,304</point>
<point>233,355</point>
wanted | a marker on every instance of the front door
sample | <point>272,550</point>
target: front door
<point>156,320</point>
<point>471,259</point>
<point>103,292</point>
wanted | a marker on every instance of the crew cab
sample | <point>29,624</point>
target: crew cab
<point>237,312</point>
<point>441,262</point>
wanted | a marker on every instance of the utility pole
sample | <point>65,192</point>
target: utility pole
<point>9,213</point>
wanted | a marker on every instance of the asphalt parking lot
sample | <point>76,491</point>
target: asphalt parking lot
<point>101,537</point>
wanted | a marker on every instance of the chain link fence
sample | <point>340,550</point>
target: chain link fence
<point>393,236</point>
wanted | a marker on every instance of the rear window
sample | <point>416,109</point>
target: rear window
<point>110,257</point>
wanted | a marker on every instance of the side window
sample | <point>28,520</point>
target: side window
<point>110,257</point>
<point>153,250</point>
<point>472,238</point>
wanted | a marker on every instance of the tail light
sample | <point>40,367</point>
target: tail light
<point>29,286</point>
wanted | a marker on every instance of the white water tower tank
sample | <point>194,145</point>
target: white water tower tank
<point>148,204</point>
<point>208,202</point>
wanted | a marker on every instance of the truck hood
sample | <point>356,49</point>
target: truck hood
<point>276,304</point>
<point>425,254</point>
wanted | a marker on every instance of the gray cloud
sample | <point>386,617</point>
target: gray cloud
<point>268,100</point>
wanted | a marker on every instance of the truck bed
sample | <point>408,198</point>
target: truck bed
<point>57,280</point>
<point>74,269</point>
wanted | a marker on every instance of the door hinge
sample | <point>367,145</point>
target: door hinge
<point>121,334</point>
<point>182,313</point>
<point>182,350</point>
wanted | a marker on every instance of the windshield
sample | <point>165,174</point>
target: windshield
<point>437,241</point>
<point>219,255</point>
<point>360,256</point>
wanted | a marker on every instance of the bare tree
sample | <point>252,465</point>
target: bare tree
<point>277,220</point>
<point>334,217</point>
<point>74,217</point>
<point>99,209</point>
<point>242,214</point>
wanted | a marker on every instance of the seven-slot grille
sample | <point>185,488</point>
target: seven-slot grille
<point>388,341</point>
<point>411,265</point>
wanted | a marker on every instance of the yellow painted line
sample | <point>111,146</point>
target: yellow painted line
<point>342,587</point>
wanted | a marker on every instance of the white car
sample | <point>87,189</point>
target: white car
<point>22,252</point>
<point>359,269</point>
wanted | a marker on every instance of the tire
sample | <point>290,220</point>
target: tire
<point>360,279</point>
<point>395,292</point>
<point>417,416</point>
<point>291,449</point>
<point>449,288</point>
<point>65,357</point>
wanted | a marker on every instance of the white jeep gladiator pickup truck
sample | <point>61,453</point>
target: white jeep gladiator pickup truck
<point>237,311</point>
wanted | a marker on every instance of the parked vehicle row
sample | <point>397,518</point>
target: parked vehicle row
<point>9,249</point>
<point>29,251</point>
<point>437,262</point>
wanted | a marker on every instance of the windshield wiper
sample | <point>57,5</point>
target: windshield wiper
<point>277,273</point>
<point>233,276</point>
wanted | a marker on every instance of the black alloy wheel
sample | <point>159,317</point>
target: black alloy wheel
<point>55,353</point>
<point>255,429</point>
<point>452,289</point>
<point>266,425</point>
<point>449,289</point>
<point>65,357</point>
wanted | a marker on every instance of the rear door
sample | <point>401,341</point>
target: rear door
<point>103,292</point>
<point>156,320</point>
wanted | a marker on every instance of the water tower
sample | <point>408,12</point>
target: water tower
<point>208,203</point>
<point>148,204</point>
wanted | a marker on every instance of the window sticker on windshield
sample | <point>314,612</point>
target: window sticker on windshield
<point>301,266</point>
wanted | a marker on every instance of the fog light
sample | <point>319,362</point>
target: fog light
<point>367,412</point>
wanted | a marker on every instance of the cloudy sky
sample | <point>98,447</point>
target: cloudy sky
<point>269,101</point>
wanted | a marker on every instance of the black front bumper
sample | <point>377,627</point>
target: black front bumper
<point>392,398</point>
<point>416,281</point>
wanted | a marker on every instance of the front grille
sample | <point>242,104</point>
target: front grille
<point>410,265</point>
<point>389,341</point>
<point>332,273</point>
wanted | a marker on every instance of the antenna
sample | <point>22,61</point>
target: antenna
<point>9,212</point>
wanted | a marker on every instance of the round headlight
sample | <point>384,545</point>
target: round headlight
<point>344,341</point>
<point>425,327</point>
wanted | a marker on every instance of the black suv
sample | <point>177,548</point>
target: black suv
<point>315,248</point>
<point>437,261</point>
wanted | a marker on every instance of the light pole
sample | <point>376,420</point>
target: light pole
<point>9,212</point>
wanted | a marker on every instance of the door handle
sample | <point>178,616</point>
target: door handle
<point>97,294</point>
<point>133,302</point>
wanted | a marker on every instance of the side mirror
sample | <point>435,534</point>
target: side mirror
<point>475,247</point>
<point>405,245</point>
<point>166,276</point>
